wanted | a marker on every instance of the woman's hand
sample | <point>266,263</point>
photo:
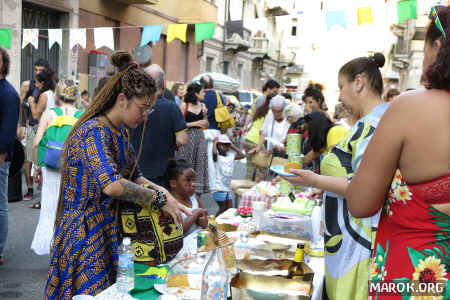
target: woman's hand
<point>276,180</point>
<point>174,208</point>
<point>203,123</point>
<point>317,194</point>
<point>303,178</point>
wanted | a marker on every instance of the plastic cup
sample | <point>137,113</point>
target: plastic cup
<point>258,212</point>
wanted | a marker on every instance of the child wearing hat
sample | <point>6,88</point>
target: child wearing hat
<point>224,155</point>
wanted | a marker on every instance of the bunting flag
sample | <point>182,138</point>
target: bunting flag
<point>151,33</point>
<point>406,9</point>
<point>336,18</point>
<point>30,36</point>
<point>204,31</point>
<point>436,20</point>
<point>78,36</point>
<point>54,36</point>
<point>5,37</point>
<point>176,31</point>
<point>103,36</point>
<point>365,15</point>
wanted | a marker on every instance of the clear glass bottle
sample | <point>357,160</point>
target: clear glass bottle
<point>215,278</point>
<point>125,270</point>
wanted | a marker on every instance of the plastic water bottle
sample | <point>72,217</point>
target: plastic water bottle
<point>125,271</point>
<point>316,221</point>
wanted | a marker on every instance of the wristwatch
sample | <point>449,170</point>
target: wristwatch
<point>161,199</point>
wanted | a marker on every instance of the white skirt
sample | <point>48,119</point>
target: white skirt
<point>42,240</point>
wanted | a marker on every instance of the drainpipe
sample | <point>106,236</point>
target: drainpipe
<point>227,7</point>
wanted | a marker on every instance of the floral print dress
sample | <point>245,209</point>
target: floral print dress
<point>413,241</point>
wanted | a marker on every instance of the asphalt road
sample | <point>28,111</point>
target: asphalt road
<point>23,275</point>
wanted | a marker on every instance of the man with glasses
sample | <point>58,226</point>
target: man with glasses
<point>28,93</point>
<point>165,130</point>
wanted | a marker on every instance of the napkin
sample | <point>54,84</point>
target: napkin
<point>144,280</point>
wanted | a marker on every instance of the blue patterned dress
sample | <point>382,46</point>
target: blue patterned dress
<point>84,251</point>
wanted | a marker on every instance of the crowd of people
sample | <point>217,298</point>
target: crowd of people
<point>138,151</point>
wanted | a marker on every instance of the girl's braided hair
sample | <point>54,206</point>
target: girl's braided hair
<point>130,81</point>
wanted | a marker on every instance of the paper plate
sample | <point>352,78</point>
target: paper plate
<point>279,169</point>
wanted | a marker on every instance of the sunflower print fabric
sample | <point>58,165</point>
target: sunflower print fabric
<point>413,241</point>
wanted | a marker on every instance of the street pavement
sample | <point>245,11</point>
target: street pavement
<point>23,275</point>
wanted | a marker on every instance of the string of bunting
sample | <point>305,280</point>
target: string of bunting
<point>103,36</point>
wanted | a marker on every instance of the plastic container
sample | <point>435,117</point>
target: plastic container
<point>287,223</point>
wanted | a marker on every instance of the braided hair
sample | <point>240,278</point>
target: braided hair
<point>130,81</point>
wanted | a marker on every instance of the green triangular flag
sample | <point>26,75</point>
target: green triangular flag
<point>204,31</point>
<point>5,37</point>
<point>406,9</point>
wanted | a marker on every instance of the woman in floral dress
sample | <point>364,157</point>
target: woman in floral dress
<point>406,173</point>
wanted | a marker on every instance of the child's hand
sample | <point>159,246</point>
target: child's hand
<point>202,220</point>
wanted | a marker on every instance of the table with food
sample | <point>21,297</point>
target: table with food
<point>270,247</point>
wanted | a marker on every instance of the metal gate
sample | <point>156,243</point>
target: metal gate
<point>34,16</point>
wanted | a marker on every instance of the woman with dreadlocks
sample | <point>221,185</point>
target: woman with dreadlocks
<point>100,166</point>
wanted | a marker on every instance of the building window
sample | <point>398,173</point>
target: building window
<point>240,67</point>
<point>209,62</point>
<point>294,31</point>
<point>34,16</point>
<point>226,65</point>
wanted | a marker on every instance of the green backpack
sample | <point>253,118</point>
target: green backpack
<point>51,146</point>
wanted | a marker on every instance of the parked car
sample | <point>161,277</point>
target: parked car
<point>247,97</point>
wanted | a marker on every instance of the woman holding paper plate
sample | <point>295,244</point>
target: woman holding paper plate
<point>407,176</point>
<point>348,240</point>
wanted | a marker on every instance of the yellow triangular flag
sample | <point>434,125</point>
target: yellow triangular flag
<point>365,15</point>
<point>176,31</point>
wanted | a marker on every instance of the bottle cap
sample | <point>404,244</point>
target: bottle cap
<point>126,241</point>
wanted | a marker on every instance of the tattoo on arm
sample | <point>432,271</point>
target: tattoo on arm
<point>135,193</point>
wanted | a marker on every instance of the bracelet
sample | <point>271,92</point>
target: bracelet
<point>161,199</point>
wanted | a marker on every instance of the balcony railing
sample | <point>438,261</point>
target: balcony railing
<point>259,47</point>
<point>236,43</point>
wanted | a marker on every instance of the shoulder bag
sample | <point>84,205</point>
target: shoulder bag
<point>222,115</point>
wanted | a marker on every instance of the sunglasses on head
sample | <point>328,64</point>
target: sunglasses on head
<point>435,17</point>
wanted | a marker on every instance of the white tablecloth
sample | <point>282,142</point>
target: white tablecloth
<point>190,247</point>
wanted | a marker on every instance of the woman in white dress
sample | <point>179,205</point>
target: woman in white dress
<point>50,177</point>
<point>45,100</point>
